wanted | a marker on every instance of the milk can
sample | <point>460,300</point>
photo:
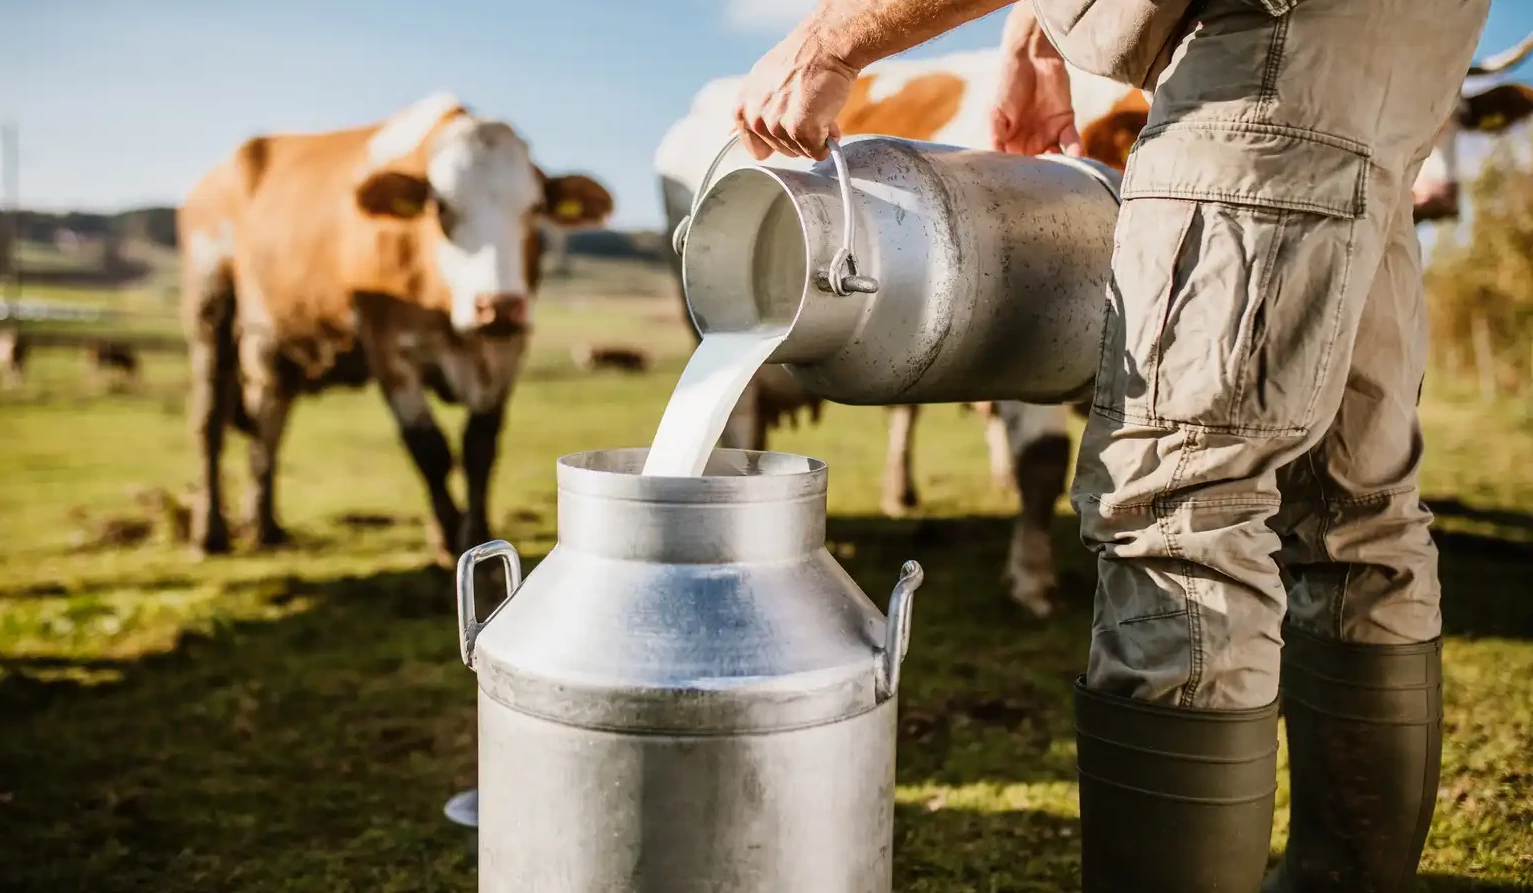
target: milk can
<point>689,693</point>
<point>910,272</point>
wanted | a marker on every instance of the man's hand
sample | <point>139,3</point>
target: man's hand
<point>791,98</point>
<point>1033,112</point>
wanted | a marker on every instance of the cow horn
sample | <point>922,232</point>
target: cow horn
<point>1504,60</point>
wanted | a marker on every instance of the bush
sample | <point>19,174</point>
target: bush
<point>1480,281</point>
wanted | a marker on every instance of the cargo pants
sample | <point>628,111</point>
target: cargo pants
<point>1262,361</point>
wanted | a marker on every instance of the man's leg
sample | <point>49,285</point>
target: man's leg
<point>1362,670</point>
<point>1258,207</point>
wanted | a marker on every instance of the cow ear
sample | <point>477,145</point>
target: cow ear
<point>393,194</point>
<point>575,200</point>
<point>1497,109</point>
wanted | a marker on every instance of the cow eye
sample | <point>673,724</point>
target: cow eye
<point>446,216</point>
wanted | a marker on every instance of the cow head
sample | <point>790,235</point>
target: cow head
<point>469,185</point>
<point>1435,193</point>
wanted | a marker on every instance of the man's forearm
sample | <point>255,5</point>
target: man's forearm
<point>1022,35</point>
<point>861,32</point>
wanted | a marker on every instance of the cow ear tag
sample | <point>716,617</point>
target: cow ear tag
<point>569,209</point>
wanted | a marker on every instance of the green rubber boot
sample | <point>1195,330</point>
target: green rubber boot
<point>1364,750</point>
<point>1173,800</point>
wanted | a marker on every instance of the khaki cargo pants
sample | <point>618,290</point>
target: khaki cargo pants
<point>1256,403</point>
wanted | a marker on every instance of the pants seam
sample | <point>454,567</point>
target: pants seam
<point>1162,509</point>
<point>1163,615</point>
<point>1373,498</point>
<point>1165,424</point>
<point>1341,308</point>
<point>1275,48</point>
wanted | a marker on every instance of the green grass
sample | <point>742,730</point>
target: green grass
<point>295,720</point>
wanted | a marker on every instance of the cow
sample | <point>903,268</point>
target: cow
<point>110,357</point>
<point>1482,108</point>
<point>589,357</point>
<point>948,99</point>
<point>13,355</point>
<point>405,252</point>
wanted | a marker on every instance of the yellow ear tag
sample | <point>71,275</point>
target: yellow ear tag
<point>1493,121</point>
<point>404,207</point>
<point>569,209</point>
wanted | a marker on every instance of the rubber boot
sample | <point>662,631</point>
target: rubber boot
<point>1173,800</point>
<point>1364,751</point>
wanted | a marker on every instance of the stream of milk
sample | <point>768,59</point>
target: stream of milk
<point>709,388</point>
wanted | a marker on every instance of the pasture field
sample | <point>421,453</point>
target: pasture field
<point>294,720</point>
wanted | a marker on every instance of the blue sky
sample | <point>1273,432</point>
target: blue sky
<point>125,103</point>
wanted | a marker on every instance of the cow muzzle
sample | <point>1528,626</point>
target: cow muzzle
<point>1434,201</point>
<point>501,314</point>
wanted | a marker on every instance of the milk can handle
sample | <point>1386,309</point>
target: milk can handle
<point>469,625</point>
<point>841,278</point>
<point>897,633</point>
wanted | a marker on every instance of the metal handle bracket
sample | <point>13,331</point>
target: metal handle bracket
<point>468,624</point>
<point>841,276</point>
<point>897,633</point>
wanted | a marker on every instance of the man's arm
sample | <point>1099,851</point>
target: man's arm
<point>791,98</point>
<point>861,32</point>
<point>1033,110</point>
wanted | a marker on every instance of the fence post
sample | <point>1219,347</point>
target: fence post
<point>1484,359</point>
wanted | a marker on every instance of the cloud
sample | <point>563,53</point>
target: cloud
<point>765,15</point>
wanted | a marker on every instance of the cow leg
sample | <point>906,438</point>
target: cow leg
<point>433,458</point>
<point>1040,445</point>
<point>481,441</point>
<point>207,409</point>
<point>208,323</point>
<point>899,490</point>
<point>266,403</point>
<point>998,446</point>
<point>269,411</point>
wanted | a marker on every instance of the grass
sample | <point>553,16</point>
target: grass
<point>295,720</point>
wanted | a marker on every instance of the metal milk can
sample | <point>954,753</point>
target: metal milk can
<point>688,694</point>
<point>910,272</point>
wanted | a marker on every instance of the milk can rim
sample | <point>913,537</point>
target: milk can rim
<point>576,477</point>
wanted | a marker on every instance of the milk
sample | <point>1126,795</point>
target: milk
<point>763,305</point>
<point>710,386</point>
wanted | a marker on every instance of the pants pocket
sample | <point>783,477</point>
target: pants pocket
<point>1228,285</point>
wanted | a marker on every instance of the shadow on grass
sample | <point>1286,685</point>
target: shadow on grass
<point>314,751</point>
<point>1441,883</point>
<point>310,752</point>
<point>944,849</point>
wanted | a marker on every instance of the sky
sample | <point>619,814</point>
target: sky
<point>122,104</point>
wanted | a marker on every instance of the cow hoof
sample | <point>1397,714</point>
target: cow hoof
<point>471,535</point>
<point>1034,594</point>
<point>214,542</point>
<point>272,536</point>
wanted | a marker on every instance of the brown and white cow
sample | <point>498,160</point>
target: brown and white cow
<point>948,99</point>
<point>1482,108</point>
<point>405,251</point>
